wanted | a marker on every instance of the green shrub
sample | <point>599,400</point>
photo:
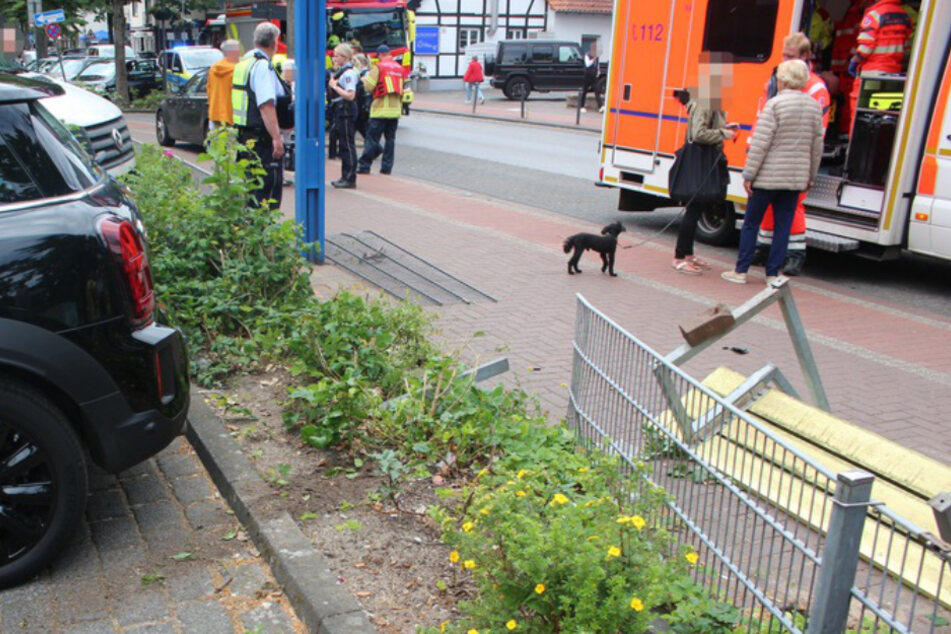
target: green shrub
<point>563,547</point>
<point>150,101</point>
<point>231,276</point>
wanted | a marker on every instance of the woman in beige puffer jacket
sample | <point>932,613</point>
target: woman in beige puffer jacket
<point>783,160</point>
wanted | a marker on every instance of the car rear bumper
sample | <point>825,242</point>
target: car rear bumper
<point>123,434</point>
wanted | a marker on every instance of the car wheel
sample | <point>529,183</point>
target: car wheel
<point>517,88</point>
<point>717,224</point>
<point>43,482</point>
<point>161,130</point>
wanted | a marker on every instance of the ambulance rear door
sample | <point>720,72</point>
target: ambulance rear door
<point>647,36</point>
<point>929,227</point>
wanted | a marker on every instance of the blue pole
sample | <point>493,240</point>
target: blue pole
<point>310,34</point>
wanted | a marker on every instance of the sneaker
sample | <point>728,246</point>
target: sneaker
<point>363,171</point>
<point>385,172</point>
<point>734,277</point>
<point>584,109</point>
<point>601,109</point>
<point>481,100</point>
<point>342,184</point>
<point>468,101</point>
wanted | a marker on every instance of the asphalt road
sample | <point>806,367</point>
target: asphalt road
<point>554,169</point>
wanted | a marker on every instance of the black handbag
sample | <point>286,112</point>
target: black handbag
<point>699,174</point>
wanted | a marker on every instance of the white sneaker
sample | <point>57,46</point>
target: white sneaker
<point>481,100</point>
<point>468,101</point>
<point>601,109</point>
<point>734,277</point>
<point>584,110</point>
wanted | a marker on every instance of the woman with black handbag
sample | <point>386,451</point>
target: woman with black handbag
<point>699,177</point>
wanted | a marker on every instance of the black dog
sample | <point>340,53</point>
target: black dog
<point>605,244</point>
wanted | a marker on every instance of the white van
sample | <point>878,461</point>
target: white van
<point>108,51</point>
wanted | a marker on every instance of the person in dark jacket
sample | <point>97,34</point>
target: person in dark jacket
<point>592,71</point>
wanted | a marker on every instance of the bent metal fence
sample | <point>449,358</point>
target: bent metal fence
<point>795,546</point>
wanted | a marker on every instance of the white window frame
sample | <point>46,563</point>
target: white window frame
<point>515,34</point>
<point>468,36</point>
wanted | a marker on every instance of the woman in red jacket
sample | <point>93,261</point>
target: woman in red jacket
<point>473,79</point>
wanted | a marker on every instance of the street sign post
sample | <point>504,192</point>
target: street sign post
<point>310,47</point>
<point>49,17</point>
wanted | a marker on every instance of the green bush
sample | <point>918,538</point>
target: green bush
<point>229,274</point>
<point>150,101</point>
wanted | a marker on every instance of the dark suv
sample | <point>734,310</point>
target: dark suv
<point>521,66</point>
<point>84,367</point>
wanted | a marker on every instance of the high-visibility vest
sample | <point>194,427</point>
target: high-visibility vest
<point>817,89</point>
<point>883,37</point>
<point>390,81</point>
<point>244,104</point>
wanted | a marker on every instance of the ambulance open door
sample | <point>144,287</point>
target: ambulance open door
<point>649,43</point>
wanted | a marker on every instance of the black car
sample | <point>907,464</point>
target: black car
<point>184,115</point>
<point>85,368</point>
<point>520,66</point>
<point>142,76</point>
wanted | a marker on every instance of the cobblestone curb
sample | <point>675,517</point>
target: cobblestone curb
<point>306,576</point>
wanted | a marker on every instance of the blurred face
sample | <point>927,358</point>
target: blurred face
<point>792,52</point>
<point>232,55</point>
<point>716,84</point>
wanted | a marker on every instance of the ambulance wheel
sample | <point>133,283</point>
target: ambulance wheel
<point>717,224</point>
<point>161,130</point>
<point>517,88</point>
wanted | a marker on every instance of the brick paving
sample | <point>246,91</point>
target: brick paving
<point>884,367</point>
<point>120,573</point>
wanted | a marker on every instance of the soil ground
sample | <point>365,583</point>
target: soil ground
<point>387,555</point>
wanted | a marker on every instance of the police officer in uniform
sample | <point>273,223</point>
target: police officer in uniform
<point>256,91</point>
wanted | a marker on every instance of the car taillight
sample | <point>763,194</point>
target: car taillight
<point>126,245</point>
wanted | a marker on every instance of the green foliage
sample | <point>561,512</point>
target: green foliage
<point>694,611</point>
<point>230,275</point>
<point>330,411</point>
<point>563,547</point>
<point>150,101</point>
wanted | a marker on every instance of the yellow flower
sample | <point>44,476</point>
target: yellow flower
<point>521,473</point>
<point>583,470</point>
<point>442,626</point>
<point>468,564</point>
<point>473,632</point>
<point>540,588</point>
<point>520,494</point>
<point>692,557</point>
<point>638,522</point>
<point>511,624</point>
<point>454,556</point>
<point>593,538</point>
<point>636,604</point>
<point>614,551</point>
<point>481,473</point>
<point>590,503</point>
<point>467,527</point>
<point>558,499</point>
<point>624,519</point>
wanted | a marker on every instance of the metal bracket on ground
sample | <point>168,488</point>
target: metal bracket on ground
<point>711,421</point>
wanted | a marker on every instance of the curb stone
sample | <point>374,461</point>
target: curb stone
<point>306,576</point>
<point>497,119</point>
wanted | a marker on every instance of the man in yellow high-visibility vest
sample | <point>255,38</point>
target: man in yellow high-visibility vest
<point>385,82</point>
<point>256,89</point>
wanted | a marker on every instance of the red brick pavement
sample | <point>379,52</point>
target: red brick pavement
<point>884,367</point>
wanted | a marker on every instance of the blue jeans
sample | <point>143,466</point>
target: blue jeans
<point>478,91</point>
<point>784,207</point>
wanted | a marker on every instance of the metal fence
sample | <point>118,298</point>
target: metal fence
<point>761,513</point>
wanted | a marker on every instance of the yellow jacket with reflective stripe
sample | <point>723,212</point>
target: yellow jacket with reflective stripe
<point>243,104</point>
<point>387,106</point>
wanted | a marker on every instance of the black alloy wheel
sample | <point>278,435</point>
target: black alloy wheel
<point>517,88</point>
<point>43,482</point>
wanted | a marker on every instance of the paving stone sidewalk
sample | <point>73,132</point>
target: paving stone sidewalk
<point>121,573</point>
<point>885,367</point>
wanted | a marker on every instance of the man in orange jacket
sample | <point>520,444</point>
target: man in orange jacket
<point>884,34</point>
<point>219,85</point>
<point>795,46</point>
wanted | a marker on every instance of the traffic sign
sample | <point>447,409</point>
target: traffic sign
<point>49,17</point>
<point>53,31</point>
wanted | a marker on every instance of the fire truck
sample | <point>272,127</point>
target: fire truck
<point>884,186</point>
<point>368,23</point>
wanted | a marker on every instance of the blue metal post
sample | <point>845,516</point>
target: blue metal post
<point>310,35</point>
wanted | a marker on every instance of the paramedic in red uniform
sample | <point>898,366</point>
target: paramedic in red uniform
<point>795,46</point>
<point>843,48</point>
<point>884,35</point>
